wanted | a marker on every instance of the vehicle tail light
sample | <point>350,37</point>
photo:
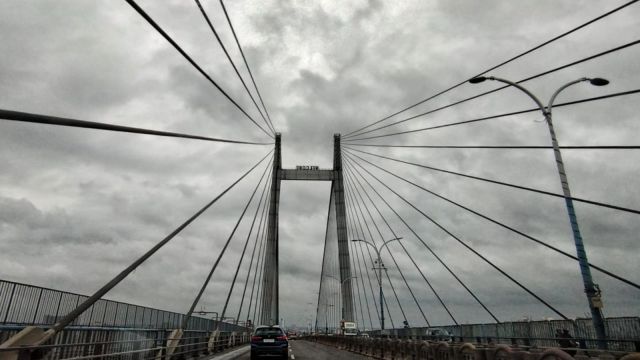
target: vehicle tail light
<point>282,338</point>
<point>255,338</point>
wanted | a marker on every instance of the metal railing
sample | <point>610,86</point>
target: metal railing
<point>388,348</point>
<point>121,343</point>
<point>623,333</point>
<point>23,304</point>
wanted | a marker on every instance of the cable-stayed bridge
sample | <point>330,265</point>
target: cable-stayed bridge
<point>372,270</point>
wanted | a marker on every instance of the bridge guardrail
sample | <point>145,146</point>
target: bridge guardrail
<point>623,332</point>
<point>386,348</point>
<point>23,304</point>
<point>80,343</point>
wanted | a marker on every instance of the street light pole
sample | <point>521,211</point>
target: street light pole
<point>592,290</point>
<point>379,268</point>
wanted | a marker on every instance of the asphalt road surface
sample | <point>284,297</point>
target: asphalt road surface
<point>307,350</point>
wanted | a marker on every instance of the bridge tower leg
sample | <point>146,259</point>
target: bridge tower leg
<point>270,314</point>
<point>337,192</point>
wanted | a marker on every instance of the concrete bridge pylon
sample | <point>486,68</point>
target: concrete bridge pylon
<point>270,313</point>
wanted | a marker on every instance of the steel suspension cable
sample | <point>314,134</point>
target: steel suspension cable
<point>362,202</point>
<point>502,63</point>
<point>575,102</point>
<point>478,254</point>
<point>526,236</point>
<point>263,216</point>
<point>586,201</point>
<point>322,275</point>
<point>60,121</point>
<point>246,243</point>
<point>335,288</point>
<point>335,298</point>
<point>356,219</point>
<point>615,147</point>
<point>455,276</point>
<point>351,209</point>
<point>255,273</point>
<point>618,48</point>
<point>257,309</point>
<point>353,171</point>
<point>261,292</point>
<point>352,265</point>
<point>259,271</point>
<point>354,230</point>
<point>364,291</point>
<point>338,299</point>
<point>142,13</point>
<point>70,317</point>
<point>246,64</point>
<point>222,253</point>
<point>215,33</point>
<point>355,186</point>
<point>361,213</point>
<point>356,317</point>
<point>357,271</point>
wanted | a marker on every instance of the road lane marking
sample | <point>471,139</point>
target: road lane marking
<point>230,355</point>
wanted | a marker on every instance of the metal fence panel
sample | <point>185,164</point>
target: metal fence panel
<point>22,304</point>
<point>623,332</point>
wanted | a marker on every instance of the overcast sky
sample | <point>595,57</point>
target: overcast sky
<point>77,206</point>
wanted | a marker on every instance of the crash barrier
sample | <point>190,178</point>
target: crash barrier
<point>388,348</point>
<point>623,333</point>
<point>23,304</point>
<point>122,343</point>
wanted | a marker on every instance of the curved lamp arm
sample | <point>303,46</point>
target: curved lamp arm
<point>555,94</point>
<point>370,244</point>
<point>387,242</point>
<point>545,110</point>
<point>523,89</point>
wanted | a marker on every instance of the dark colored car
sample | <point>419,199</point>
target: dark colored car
<point>269,341</point>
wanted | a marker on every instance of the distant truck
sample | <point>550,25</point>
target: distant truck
<point>348,328</point>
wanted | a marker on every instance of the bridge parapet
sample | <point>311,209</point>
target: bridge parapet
<point>81,343</point>
<point>24,305</point>
<point>407,349</point>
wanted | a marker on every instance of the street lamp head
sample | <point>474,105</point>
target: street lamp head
<point>478,79</point>
<point>599,81</point>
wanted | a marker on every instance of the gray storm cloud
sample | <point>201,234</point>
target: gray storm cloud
<point>76,206</point>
